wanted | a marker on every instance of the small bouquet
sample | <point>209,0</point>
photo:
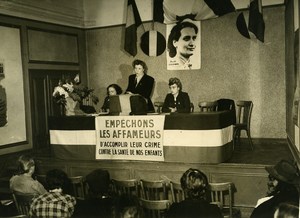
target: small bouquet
<point>70,88</point>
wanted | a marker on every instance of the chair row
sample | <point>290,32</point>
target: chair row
<point>161,194</point>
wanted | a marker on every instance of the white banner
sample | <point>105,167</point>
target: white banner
<point>130,137</point>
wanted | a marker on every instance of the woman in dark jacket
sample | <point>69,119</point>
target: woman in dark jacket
<point>177,100</point>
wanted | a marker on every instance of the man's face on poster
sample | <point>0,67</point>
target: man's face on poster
<point>186,44</point>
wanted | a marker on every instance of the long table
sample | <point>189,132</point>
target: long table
<point>204,137</point>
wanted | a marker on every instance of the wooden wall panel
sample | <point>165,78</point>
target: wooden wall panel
<point>52,47</point>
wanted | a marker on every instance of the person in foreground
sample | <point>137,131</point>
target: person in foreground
<point>112,89</point>
<point>287,210</point>
<point>23,182</point>
<point>54,203</point>
<point>282,187</point>
<point>177,100</point>
<point>99,201</point>
<point>141,83</point>
<point>195,185</point>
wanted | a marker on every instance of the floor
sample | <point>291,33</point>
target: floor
<point>266,152</point>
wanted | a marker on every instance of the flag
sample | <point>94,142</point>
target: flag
<point>242,26</point>
<point>256,21</point>
<point>133,21</point>
<point>166,11</point>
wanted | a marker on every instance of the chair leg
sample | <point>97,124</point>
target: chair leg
<point>250,140</point>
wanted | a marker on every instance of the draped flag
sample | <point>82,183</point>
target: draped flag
<point>133,21</point>
<point>256,24</point>
<point>256,21</point>
<point>168,11</point>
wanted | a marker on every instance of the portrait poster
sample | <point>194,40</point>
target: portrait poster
<point>12,103</point>
<point>184,45</point>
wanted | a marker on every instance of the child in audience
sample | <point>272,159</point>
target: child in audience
<point>177,100</point>
<point>54,203</point>
<point>127,206</point>
<point>112,89</point>
<point>23,181</point>
<point>195,185</point>
<point>99,202</point>
<point>287,210</point>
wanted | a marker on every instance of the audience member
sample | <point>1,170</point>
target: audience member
<point>177,100</point>
<point>54,203</point>
<point>99,202</point>
<point>23,181</point>
<point>282,187</point>
<point>112,89</point>
<point>287,210</point>
<point>127,206</point>
<point>195,186</point>
<point>141,83</point>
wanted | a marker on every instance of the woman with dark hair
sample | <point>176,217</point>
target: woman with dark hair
<point>23,181</point>
<point>177,100</point>
<point>112,89</point>
<point>181,44</point>
<point>141,83</point>
<point>195,185</point>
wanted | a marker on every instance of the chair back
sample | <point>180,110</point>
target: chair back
<point>78,185</point>
<point>222,195</point>
<point>23,202</point>
<point>207,106</point>
<point>154,190</point>
<point>158,105</point>
<point>176,192</point>
<point>192,107</point>
<point>154,208</point>
<point>244,111</point>
<point>126,187</point>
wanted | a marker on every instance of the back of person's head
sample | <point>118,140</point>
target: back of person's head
<point>56,179</point>
<point>194,184</point>
<point>127,206</point>
<point>25,164</point>
<point>287,210</point>
<point>99,183</point>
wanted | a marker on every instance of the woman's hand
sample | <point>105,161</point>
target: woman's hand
<point>173,109</point>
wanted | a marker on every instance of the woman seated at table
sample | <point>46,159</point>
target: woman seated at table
<point>23,181</point>
<point>112,89</point>
<point>177,100</point>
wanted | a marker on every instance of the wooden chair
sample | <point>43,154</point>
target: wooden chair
<point>79,187</point>
<point>222,195</point>
<point>158,105</point>
<point>207,106</point>
<point>243,118</point>
<point>23,202</point>
<point>176,192</point>
<point>128,187</point>
<point>192,107</point>
<point>155,208</point>
<point>154,190</point>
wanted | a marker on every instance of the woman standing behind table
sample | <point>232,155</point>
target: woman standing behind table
<point>23,182</point>
<point>141,83</point>
<point>177,100</point>
<point>112,89</point>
